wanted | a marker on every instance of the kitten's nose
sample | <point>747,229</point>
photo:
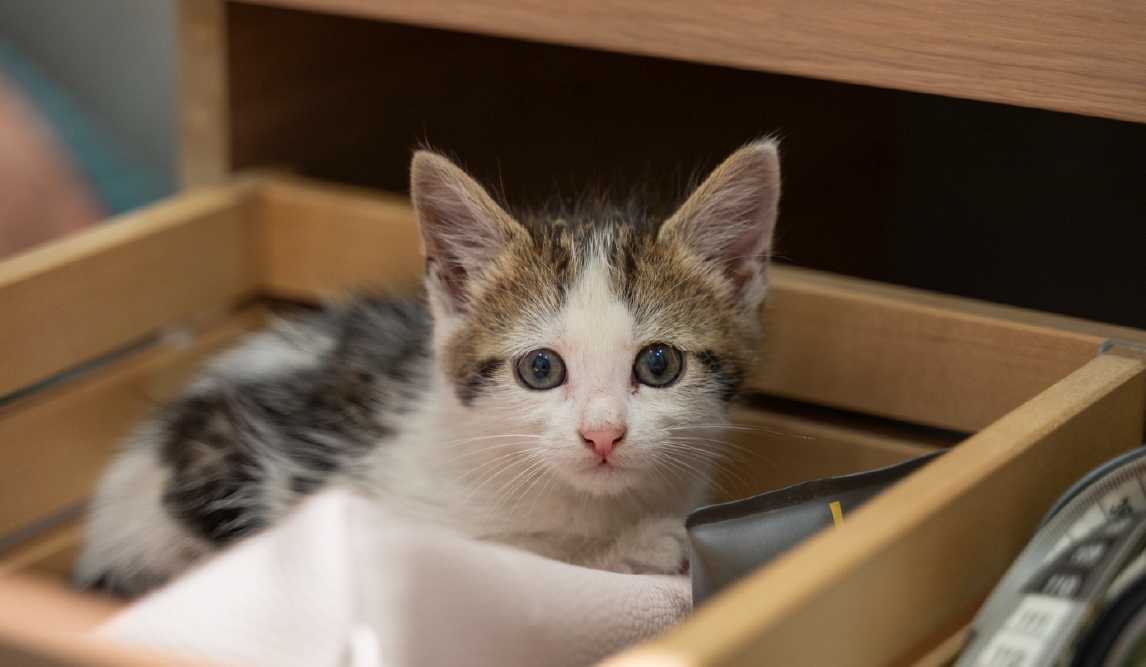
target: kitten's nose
<point>603,441</point>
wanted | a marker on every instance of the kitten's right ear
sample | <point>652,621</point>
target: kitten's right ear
<point>463,229</point>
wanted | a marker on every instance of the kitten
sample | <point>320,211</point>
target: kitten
<point>559,387</point>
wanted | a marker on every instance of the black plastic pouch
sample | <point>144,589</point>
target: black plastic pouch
<point>730,540</point>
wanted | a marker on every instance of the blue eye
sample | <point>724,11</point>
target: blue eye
<point>658,365</point>
<point>541,369</point>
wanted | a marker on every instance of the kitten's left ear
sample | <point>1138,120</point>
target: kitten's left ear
<point>729,219</point>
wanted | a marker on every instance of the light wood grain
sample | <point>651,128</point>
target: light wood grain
<point>946,652</point>
<point>71,611</point>
<point>323,241</point>
<point>918,555</point>
<point>942,647</point>
<point>54,445</point>
<point>74,300</point>
<point>912,355</point>
<point>51,554</point>
<point>53,649</point>
<point>1064,55</point>
<point>44,624</point>
<point>204,116</point>
<point>771,451</point>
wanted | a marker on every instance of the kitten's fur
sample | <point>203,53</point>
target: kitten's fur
<point>417,401</point>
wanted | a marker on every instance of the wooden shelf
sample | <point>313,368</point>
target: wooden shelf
<point>1063,55</point>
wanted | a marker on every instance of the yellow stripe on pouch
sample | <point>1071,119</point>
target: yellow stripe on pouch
<point>837,512</point>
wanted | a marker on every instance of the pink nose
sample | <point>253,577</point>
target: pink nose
<point>603,441</point>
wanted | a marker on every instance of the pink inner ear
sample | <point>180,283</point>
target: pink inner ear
<point>453,277</point>
<point>740,276</point>
<point>743,257</point>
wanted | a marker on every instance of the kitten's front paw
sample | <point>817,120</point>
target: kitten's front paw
<point>653,547</point>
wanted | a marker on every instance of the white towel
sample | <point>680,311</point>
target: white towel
<point>345,581</point>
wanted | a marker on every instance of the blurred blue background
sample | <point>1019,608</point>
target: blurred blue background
<point>103,73</point>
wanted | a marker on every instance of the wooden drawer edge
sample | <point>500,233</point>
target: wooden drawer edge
<point>904,564</point>
<point>99,291</point>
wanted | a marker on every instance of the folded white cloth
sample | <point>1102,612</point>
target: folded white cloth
<point>346,581</point>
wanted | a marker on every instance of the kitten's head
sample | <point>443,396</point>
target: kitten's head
<point>608,334</point>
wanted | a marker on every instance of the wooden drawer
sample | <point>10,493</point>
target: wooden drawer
<point>97,326</point>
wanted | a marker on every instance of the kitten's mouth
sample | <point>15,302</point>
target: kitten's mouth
<point>603,477</point>
<point>606,466</point>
